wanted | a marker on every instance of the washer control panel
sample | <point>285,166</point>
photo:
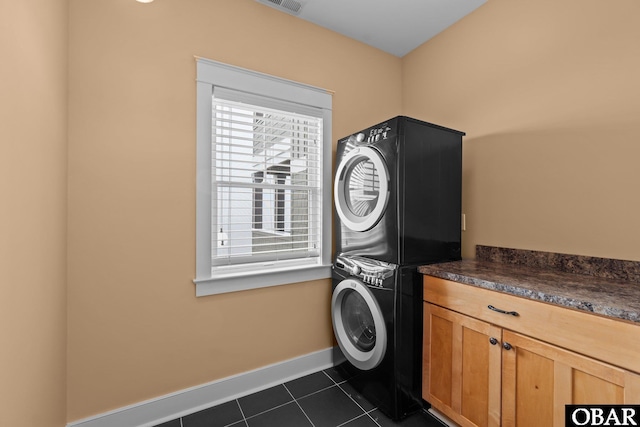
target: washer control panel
<point>370,271</point>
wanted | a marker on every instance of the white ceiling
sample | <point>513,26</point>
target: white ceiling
<point>394,26</point>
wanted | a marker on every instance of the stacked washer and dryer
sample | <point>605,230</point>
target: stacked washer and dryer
<point>397,196</point>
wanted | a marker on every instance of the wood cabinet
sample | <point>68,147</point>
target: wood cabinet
<point>539,379</point>
<point>461,368</point>
<point>482,370</point>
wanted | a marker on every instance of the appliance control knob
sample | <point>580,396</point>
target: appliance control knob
<point>355,270</point>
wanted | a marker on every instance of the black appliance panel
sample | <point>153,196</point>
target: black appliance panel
<point>429,189</point>
<point>380,241</point>
<point>421,222</point>
<point>394,384</point>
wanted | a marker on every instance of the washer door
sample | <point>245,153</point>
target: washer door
<point>358,324</point>
<point>361,188</point>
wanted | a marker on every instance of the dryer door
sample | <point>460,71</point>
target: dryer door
<point>361,188</point>
<point>358,324</point>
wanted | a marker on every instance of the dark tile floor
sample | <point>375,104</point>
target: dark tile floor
<point>322,399</point>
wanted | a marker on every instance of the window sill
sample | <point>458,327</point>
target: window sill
<point>260,279</point>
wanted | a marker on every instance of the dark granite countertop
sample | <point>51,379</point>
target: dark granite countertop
<point>597,285</point>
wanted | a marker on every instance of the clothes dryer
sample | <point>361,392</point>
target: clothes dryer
<point>397,192</point>
<point>376,314</point>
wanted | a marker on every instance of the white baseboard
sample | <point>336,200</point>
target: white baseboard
<point>171,406</point>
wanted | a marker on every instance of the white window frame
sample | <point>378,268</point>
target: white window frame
<point>212,74</point>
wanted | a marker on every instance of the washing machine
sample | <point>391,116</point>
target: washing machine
<point>398,191</point>
<point>376,314</point>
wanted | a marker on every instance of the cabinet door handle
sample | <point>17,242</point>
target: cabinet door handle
<point>512,313</point>
<point>493,341</point>
<point>507,346</point>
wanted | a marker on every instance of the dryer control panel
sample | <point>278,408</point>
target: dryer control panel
<point>370,271</point>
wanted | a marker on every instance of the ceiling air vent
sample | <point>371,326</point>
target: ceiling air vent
<point>290,6</point>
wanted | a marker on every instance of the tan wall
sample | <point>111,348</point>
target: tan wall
<point>136,329</point>
<point>549,95</point>
<point>33,118</point>
<point>549,101</point>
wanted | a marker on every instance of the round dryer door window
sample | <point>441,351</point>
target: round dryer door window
<point>358,324</point>
<point>361,188</point>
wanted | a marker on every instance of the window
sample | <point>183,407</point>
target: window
<point>263,183</point>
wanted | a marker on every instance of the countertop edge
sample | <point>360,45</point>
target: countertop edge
<point>592,307</point>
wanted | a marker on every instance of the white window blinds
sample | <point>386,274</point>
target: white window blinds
<point>263,183</point>
<point>266,176</point>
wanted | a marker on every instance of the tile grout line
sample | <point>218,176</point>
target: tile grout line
<point>334,381</point>
<point>296,400</point>
<point>265,411</point>
<point>283,404</point>
<point>354,401</point>
<point>316,392</point>
<point>373,419</point>
<point>352,419</point>
<point>364,411</point>
<point>242,413</point>
<point>341,389</point>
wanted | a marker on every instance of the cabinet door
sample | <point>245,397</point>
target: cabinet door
<point>539,379</point>
<point>461,367</point>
